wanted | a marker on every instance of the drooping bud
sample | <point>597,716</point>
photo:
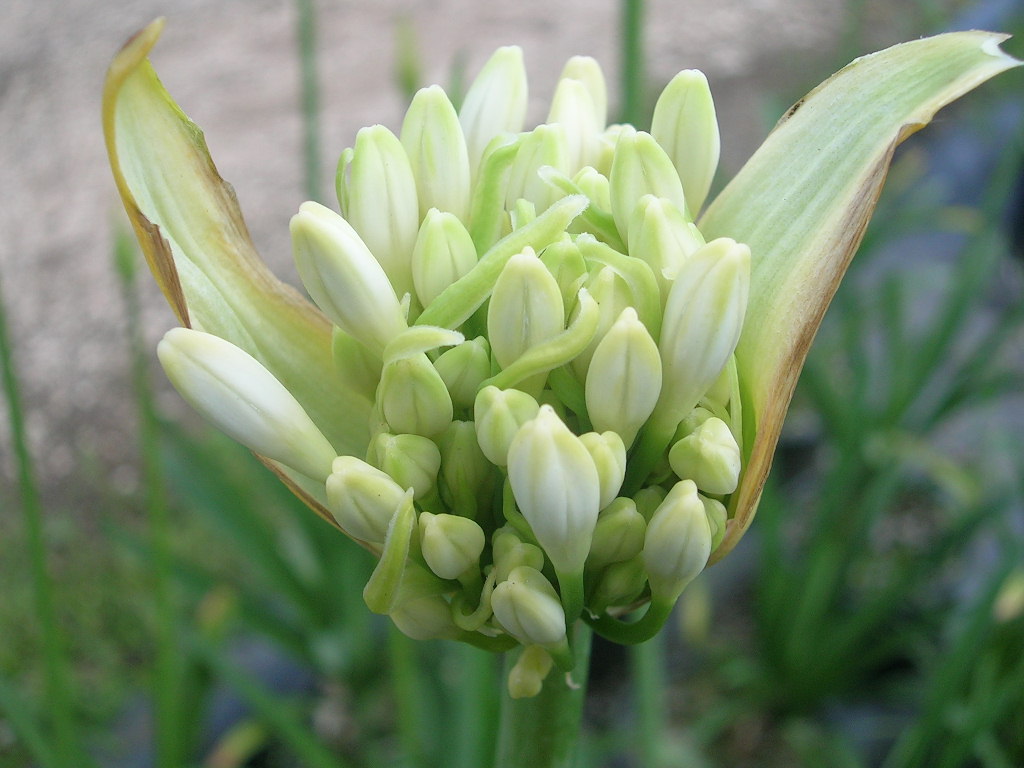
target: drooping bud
<point>624,378</point>
<point>443,253</point>
<point>362,498</point>
<point>463,369</point>
<point>466,472</point>
<point>495,103</point>
<point>412,461</point>
<point>498,414</point>
<point>640,167</point>
<point>609,455</point>
<point>344,278</point>
<point>413,397</point>
<point>451,544</point>
<point>528,608</point>
<point>433,139</point>
<point>382,205</point>
<point>685,124</point>
<point>709,456</point>
<point>619,534</point>
<point>526,678</point>
<point>232,390</point>
<point>678,542</point>
<point>557,488</point>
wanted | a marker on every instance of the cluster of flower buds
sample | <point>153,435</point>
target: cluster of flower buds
<point>548,343</point>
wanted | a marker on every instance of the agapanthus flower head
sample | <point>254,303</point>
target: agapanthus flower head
<point>535,384</point>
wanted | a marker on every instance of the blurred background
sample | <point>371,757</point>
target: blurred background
<point>189,612</point>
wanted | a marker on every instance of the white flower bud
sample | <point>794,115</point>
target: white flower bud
<point>344,278</point>
<point>557,488</point>
<point>588,71</point>
<point>362,498</point>
<point>595,186</point>
<point>443,253</point>
<point>678,542</point>
<point>528,608</point>
<point>433,139</point>
<point>718,518</point>
<point>545,145</point>
<point>463,369</point>
<point>624,378</point>
<point>640,167</point>
<point>425,618</point>
<point>661,235</point>
<point>525,309</point>
<point>609,455</point>
<point>685,124</point>
<point>498,414</point>
<point>451,544</point>
<point>619,534</point>
<point>573,108</point>
<point>495,103</point>
<point>709,456</point>
<point>412,461</point>
<point>413,397</point>
<point>231,389</point>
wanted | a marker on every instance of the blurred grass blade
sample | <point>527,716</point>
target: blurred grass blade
<point>27,726</point>
<point>633,68</point>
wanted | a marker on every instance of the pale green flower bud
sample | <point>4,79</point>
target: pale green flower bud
<point>413,398</point>
<point>678,542</point>
<point>640,167</point>
<point>362,498</point>
<point>595,186</point>
<point>648,500</point>
<point>565,262</point>
<point>613,296</point>
<point>498,414</point>
<point>525,309</point>
<point>433,139</point>
<point>495,103</point>
<point>545,145</point>
<point>609,455</point>
<point>557,488</point>
<point>588,71</point>
<point>466,472</point>
<point>526,678</point>
<point>528,608</point>
<point>624,378</point>
<point>573,108</point>
<point>661,235</point>
<point>463,369</point>
<point>718,518</point>
<point>443,253</point>
<point>685,124</point>
<point>702,322</point>
<point>451,544</point>
<point>620,583</point>
<point>412,461</point>
<point>425,618</point>
<point>510,552</point>
<point>344,278</point>
<point>382,205</point>
<point>709,456</point>
<point>619,534</point>
<point>691,421</point>
<point>232,390</point>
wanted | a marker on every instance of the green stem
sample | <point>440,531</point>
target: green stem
<point>632,633</point>
<point>646,660</point>
<point>543,731</point>
<point>66,744</point>
<point>632,61</point>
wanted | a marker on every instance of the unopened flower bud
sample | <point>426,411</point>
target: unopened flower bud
<point>526,678</point>
<point>433,139</point>
<point>648,500</point>
<point>528,608</point>
<point>557,488</point>
<point>624,378</point>
<point>613,295</point>
<point>709,456</point>
<point>420,610</point>
<point>609,455</point>
<point>411,460</point>
<point>413,397</point>
<point>565,262</point>
<point>718,517</point>
<point>344,278</point>
<point>443,253</point>
<point>545,145</point>
<point>685,124</point>
<point>573,108</point>
<point>498,414</point>
<point>588,71</point>
<point>661,235</point>
<point>232,390</point>
<point>691,421</point>
<point>463,369</point>
<point>595,186</point>
<point>451,544</point>
<point>466,472</point>
<point>619,534</point>
<point>495,103</point>
<point>678,542</point>
<point>362,498</point>
<point>620,583</point>
<point>640,167</point>
<point>510,552</point>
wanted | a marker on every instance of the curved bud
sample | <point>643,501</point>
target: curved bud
<point>557,488</point>
<point>495,103</point>
<point>463,369</point>
<point>526,678</point>
<point>619,534</point>
<point>232,390</point>
<point>624,378</point>
<point>443,253</point>
<point>498,414</point>
<point>344,278</point>
<point>413,398</point>
<point>609,455</point>
<point>466,472</point>
<point>661,235</point>
<point>545,145</point>
<point>528,608</point>
<point>382,205</point>
<point>640,167</point>
<point>709,456</point>
<point>362,498</point>
<point>451,544</point>
<point>678,542</point>
<point>685,124</point>
<point>433,139</point>
<point>412,461</point>
<point>525,310</point>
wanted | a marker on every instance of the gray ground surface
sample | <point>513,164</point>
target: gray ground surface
<point>231,65</point>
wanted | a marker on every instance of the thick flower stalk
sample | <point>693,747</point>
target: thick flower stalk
<point>534,382</point>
